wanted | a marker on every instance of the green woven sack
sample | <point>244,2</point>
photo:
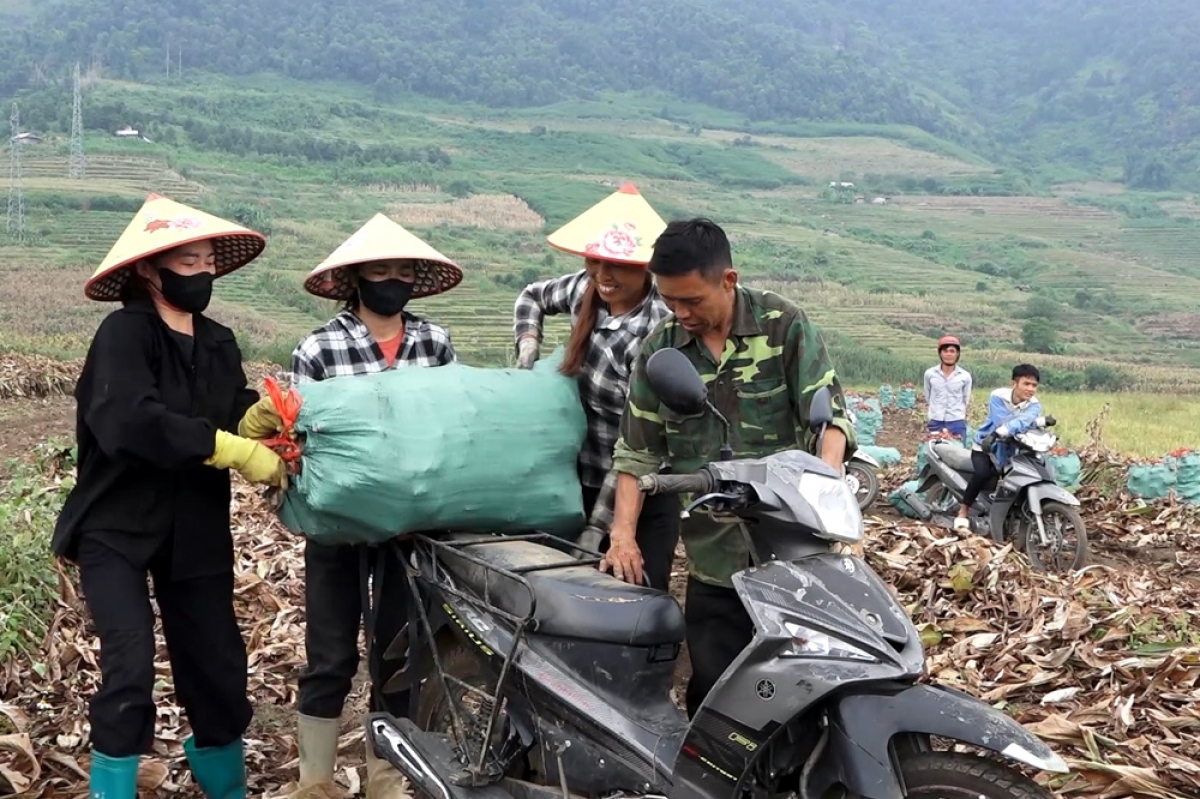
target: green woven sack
<point>1068,470</point>
<point>1187,478</point>
<point>452,447</point>
<point>1152,480</point>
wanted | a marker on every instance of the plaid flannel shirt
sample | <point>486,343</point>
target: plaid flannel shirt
<point>604,380</point>
<point>344,348</point>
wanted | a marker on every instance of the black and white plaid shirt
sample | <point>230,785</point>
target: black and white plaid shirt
<point>604,380</point>
<point>345,347</point>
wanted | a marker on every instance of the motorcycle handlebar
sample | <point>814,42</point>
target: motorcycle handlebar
<point>694,483</point>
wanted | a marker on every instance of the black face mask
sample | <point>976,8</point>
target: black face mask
<point>385,297</point>
<point>188,293</point>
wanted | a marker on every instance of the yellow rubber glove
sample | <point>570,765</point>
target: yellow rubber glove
<point>251,459</point>
<point>261,420</point>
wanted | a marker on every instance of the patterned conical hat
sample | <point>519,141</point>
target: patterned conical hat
<point>381,239</point>
<point>621,228</point>
<point>162,225</point>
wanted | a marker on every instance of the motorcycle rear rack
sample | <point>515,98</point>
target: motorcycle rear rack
<point>480,771</point>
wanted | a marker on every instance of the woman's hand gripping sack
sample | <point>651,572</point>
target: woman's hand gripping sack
<point>262,420</point>
<point>252,460</point>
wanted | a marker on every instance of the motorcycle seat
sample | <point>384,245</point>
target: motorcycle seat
<point>579,602</point>
<point>955,456</point>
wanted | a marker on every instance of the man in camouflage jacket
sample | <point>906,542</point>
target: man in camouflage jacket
<point>762,361</point>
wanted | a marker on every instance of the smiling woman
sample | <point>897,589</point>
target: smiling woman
<point>613,306</point>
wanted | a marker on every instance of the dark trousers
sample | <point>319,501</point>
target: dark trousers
<point>984,472</point>
<point>718,629</point>
<point>207,653</point>
<point>333,596</point>
<point>956,427</point>
<point>657,534</point>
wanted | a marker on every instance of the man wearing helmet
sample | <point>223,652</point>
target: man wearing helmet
<point>948,391</point>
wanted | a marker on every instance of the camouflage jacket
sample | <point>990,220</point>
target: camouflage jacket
<point>774,360</point>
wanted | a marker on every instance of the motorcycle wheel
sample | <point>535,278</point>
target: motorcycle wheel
<point>867,488</point>
<point>433,709</point>
<point>955,775</point>
<point>1076,556</point>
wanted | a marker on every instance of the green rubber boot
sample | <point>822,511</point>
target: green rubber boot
<point>113,777</point>
<point>220,771</point>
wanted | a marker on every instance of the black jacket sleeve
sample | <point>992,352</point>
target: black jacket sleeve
<point>122,407</point>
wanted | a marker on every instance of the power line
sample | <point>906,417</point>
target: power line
<point>14,223</point>
<point>78,166</point>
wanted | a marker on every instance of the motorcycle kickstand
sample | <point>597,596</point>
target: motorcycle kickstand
<point>562,775</point>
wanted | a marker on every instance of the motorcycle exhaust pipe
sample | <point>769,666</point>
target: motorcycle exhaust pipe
<point>918,505</point>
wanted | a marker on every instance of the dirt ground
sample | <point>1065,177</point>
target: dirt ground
<point>25,424</point>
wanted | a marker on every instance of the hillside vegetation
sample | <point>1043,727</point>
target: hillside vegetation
<point>1094,283</point>
<point>1103,85</point>
<point>1008,168</point>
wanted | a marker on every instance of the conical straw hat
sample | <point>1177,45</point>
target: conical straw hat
<point>621,228</point>
<point>164,224</point>
<point>381,239</point>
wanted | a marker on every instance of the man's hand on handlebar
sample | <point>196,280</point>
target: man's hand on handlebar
<point>700,482</point>
<point>624,558</point>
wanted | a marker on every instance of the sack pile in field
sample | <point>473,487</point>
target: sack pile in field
<point>868,418</point>
<point>1178,474</point>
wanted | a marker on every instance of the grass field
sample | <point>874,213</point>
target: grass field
<point>1140,425</point>
<point>1119,271</point>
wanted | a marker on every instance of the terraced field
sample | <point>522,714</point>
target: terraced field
<point>823,158</point>
<point>1173,249</point>
<point>890,277</point>
<point>108,174</point>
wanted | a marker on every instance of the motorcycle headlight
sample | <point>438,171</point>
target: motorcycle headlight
<point>808,643</point>
<point>800,640</point>
<point>835,505</point>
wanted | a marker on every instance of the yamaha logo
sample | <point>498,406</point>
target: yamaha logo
<point>765,690</point>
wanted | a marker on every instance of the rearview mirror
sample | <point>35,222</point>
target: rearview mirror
<point>676,382</point>
<point>820,409</point>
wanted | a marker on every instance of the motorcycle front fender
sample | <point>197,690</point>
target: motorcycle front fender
<point>1049,492</point>
<point>861,728</point>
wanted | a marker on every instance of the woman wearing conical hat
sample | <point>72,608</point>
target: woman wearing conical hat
<point>161,390</point>
<point>613,306</point>
<point>375,273</point>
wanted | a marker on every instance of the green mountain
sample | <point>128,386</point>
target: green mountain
<point>1103,85</point>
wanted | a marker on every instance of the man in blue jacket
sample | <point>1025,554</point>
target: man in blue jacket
<point>1011,411</point>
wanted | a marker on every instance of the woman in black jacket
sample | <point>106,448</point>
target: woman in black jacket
<point>161,388</point>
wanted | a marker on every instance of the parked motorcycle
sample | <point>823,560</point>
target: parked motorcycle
<point>1028,507</point>
<point>544,678</point>
<point>862,474</point>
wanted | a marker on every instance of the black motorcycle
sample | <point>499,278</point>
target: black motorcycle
<point>543,678</point>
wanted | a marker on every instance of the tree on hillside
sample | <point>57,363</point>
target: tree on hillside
<point>1039,335</point>
<point>1146,173</point>
<point>1039,307</point>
